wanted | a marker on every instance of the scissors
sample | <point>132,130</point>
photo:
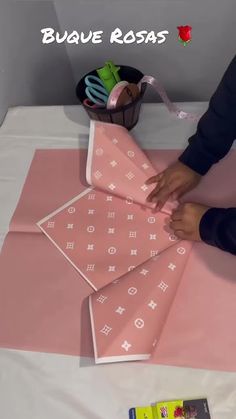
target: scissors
<point>92,105</point>
<point>95,90</point>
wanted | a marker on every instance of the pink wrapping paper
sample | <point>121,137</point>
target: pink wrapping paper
<point>105,231</point>
<point>103,236</point>
<point>43,299</point>
<point>110,230</point>
<point>108,233</point>
<point>116,164</point>
<point>128,315</point>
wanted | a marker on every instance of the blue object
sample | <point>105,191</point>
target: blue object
<point>95,90</point>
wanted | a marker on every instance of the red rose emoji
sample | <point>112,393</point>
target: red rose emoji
<point>184,34</point>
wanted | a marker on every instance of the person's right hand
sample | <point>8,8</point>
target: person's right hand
<point>173,182</point>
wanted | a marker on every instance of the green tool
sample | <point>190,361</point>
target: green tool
<point>109,75</point>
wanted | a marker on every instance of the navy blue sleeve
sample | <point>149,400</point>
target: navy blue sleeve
<point>216,130</point>
<point>218,228</point>
<point>215,134</point>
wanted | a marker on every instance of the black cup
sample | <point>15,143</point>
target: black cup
<point>126,115</point>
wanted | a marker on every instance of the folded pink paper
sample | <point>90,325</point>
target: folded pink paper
<point>116,164</point>
<point>128,315</point>
<point>106,231</point>
<point>110,230</point>
<point>104,236</point>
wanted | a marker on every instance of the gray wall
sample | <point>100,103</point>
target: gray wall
<point>36,74</point>
<point>189,73</point>
<point>29,73</point>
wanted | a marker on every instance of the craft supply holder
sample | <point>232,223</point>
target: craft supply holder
<point>126,115</point>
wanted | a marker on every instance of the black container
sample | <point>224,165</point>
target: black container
<point>127,115</point>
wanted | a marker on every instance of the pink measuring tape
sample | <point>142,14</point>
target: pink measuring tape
<point>114,98</point>
<point>122,94</point>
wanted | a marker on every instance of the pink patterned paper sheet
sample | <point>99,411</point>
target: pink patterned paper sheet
<point>116,164</point>
<point>129,314</point>
<point>109,233</point>
<point>44,301</point>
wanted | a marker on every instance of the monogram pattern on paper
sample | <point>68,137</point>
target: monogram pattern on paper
<point>119,245</point>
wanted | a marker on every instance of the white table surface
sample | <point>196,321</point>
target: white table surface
<point>47,386</point>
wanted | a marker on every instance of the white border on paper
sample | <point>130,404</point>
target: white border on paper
<point>55,244</point>
<point>110,359</point>
<point>90,152</point>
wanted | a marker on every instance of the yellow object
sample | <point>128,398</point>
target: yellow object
<point>160,410</point>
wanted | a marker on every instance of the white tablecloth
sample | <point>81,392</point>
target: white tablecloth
<point>48,386</point>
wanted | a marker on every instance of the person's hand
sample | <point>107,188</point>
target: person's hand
<point>185,221</point>
<point>175,181</point>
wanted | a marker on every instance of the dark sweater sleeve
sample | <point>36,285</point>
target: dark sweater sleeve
<point>218,228</point>
<point>216,130</point>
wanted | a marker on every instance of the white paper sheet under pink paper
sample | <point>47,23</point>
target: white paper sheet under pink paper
<point>43,300</point>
